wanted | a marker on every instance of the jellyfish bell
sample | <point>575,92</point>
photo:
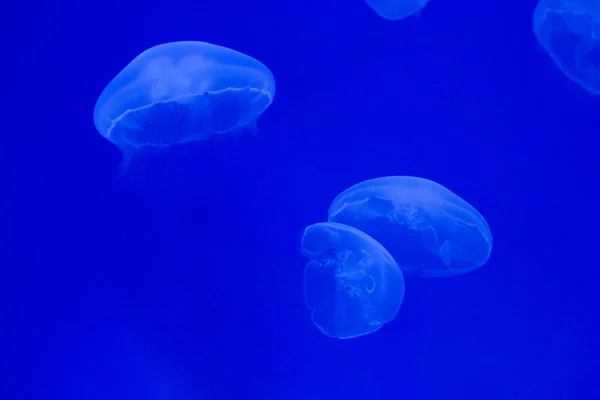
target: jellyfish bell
<point>352,285</point>
<point>569,32</point>
<point>179,93</point>
<point>429,230</point>
<point>395,10</point>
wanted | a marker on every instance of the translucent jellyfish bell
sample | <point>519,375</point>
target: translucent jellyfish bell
<point>396,9</point>
<point>569,31</point>
<point>429,230</point>
<point>180,92</point>
<point>352,284</point>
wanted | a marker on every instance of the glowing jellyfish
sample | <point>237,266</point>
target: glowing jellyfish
<point>352,284</point>
<point>429,230</point>
<point>569,31</point>
<point>182,92</point>
<point>396,9</point>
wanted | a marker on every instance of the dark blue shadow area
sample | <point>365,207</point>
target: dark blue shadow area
<point>187,285</point>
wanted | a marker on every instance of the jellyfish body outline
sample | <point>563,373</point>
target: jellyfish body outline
<point>395,10</point>
<point>569,32</point>
<point>429,230</point>
<point>179,92</point>
<point>352,285</point>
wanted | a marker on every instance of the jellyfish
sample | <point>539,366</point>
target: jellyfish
<point>182,92</point>
<point>429,230</point>
<point>396,9</point>
<point>351,283</point>
<point>569,31</point>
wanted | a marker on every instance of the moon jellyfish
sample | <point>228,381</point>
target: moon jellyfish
<point>396,9</point>
<point>429,230</point>
<point>569,31</point>
<point>182,92</point>
<point>352,284</point>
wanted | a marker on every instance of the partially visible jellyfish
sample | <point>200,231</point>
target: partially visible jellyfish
<point>429,230</point>
<point>396,9</point>
<point>352,284</point>
<point>182,92</point>
<point>569,31</point>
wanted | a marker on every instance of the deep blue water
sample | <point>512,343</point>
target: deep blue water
<point>113,292</point>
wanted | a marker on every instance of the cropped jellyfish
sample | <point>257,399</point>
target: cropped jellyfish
<point>182,92</point>
<point>396,9</point>
<point>429,230</point>
<point>352,284</point>
<point>569,31</point>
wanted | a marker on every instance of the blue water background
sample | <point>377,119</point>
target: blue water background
<point>115,293</point>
